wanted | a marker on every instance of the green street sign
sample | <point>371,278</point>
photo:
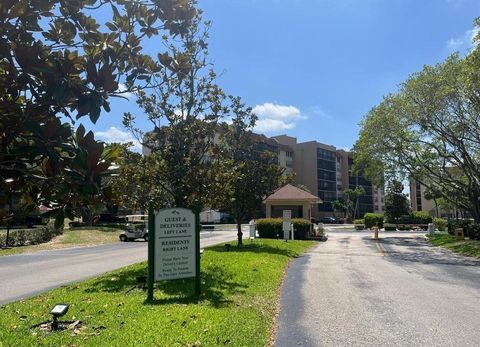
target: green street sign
<point>173,246</point>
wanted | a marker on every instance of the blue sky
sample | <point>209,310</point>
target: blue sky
<point>313,68</point>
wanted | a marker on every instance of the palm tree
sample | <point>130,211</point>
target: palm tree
<point>354,195</point>
<point>340,206</point>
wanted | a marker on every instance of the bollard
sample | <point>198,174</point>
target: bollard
<point>431,228</point>
<point>375,233</point>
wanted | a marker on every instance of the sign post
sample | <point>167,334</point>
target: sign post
<point>251,230</point>
<point>151,252</point>
<point>287,223</point>
<point>173,246</point>
<point>197,252</point>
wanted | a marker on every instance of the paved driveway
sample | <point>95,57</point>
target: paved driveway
<point>399,291</point>
<point>24,275</point>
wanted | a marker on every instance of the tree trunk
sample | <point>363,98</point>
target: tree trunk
<point>87,216</point>
<point>436,208</point>
<point>239,232</point>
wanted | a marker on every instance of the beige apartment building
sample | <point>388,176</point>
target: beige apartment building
<point>326,172</point>
<point>418,202</point>
<point>323,169</point>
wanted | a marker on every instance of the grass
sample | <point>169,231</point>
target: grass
<point>469,248</point>
<point>81,236</point>
<point>237,306</point>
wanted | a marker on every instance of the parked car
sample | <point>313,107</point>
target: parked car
<point>328,220</point>
<point>133,232</point>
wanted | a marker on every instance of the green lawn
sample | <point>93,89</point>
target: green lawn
<point>81,236</point>
<point>469,248</point>
<point>240,290</point>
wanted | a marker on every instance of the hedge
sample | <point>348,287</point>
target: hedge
<point>106,225</point>
<point>359,221</point>
<point>373,219</point>
<point>390,227</point>
<point>417,217</point>
<point>470,229</point>
<point>33,236</point>
<point>421,217</point>
<point>269,228</point>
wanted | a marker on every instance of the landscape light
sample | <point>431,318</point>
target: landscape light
<point>58,310</point>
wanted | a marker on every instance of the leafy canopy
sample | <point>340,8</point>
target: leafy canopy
<point>429,130</point>
<point>59,64</point>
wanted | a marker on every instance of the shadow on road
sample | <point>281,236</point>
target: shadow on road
<point>417,249</point>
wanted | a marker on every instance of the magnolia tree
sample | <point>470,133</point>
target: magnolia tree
<point>183,109</point>
<point>60,64</point>
<point>429,130</point>
<point>245,176</point>
<point>137,181</point>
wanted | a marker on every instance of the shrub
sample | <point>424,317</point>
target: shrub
<point>301,228</point>
<point>373,219</point>
<point>418,217</point>
<point>474,232</point>
<point>390,227</point>
<point>20,237</point>
<point>359,221</point>
<point>271,228</point>
<point>405,219</point>
<point>403,227</point>
<point>440,223</point>
<point>319,230</point>
<point>470,228</point>
<point>466,224</point>
<point>421,217</point>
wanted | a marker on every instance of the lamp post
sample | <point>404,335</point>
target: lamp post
<point>7,239</point>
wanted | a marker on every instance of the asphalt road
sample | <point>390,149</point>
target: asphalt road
<point>399,291</point>
<point>25,275</point>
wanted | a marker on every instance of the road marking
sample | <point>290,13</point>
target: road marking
<point>380,248</point>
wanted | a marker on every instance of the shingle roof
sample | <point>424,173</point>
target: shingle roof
<point>290,192</point>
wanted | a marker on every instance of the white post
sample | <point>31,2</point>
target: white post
<point>431,228</point>
<point>287,223</point>
<point>293,238</point>
<point>251,225</point>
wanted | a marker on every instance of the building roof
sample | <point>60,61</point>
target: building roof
<point>290,192</point>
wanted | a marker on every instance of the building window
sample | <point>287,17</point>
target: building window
<point>326,165</point>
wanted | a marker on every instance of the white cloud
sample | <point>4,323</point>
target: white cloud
<point>274,117</point>
<point>275,111</point>
<point>114,134</point>
<point>464,43</point>
<point>319,112</point>
<point>454,44</point>
<point>269,125</point>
